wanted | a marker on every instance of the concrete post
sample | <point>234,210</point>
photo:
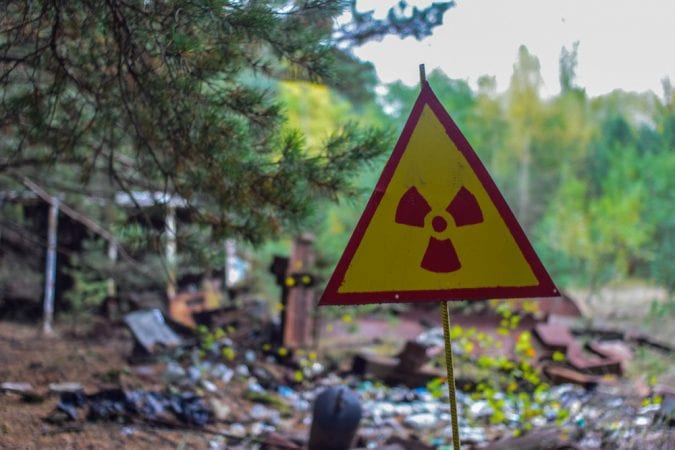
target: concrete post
<point>50,267</point>
<point>170,229</point>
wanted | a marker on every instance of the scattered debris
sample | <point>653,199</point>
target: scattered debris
<point>625,336</point>
<point>150,332</point>
<point>16,388</point>
<point>182,306</point>
<point>558,338</point>
<point>238,387</point>
<point>119,405</point>
<point>615,349</point>
<point>409,368</point>
<point>666,413</point>
<point>25,390</point>
<point>59,388</point>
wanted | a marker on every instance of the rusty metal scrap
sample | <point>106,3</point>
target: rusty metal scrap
<point>558,338</point>
<point>299,305</point>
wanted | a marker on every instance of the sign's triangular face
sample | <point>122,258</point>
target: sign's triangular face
<point>436,227</point>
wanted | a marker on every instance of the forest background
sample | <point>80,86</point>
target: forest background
<point>286,143</point>
<point>589,178</point>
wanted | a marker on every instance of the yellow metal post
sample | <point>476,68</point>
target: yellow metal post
<point>451,375</point>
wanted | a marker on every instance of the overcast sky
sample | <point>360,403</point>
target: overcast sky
<point>622,44</point>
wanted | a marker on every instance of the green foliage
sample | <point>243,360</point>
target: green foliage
<point>225,105</point>
<point>590,180</point>
<point>568,65</point>
<point>183,100</point>
<point>401,20</point>
<point>166,97</point>
<point>650,364</point>
<point>88,290</point>
<point>607,217</point>
<point>216,343</point>
<point>659,310</point>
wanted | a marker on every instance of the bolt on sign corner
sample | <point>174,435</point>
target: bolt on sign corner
<point>436,226</point>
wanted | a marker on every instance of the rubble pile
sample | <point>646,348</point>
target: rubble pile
<point>265,397</point>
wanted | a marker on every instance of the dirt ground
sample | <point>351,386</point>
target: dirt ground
<point>94,360</point>
<point>94,355</point>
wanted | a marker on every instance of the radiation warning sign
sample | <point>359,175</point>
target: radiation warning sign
<point>436,227</point>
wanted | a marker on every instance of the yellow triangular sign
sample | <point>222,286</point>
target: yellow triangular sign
<point>436,227</point>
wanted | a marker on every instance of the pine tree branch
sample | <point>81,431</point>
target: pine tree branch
<point>86,221</point>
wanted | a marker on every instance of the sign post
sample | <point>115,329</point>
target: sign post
<point>451,375</point>
<point>436,228</point>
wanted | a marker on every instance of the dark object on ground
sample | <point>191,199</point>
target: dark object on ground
<point>110,404</point>
<point>69,403</point>
<point>118,405</point>
<point>337,413</point>
<point>190,409</point>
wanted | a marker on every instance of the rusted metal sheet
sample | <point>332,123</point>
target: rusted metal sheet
<point>555,337</point>
<point>611,349</point>
<point>185,305</point>
<point>182,306</point>
<point>590,364</point>
<point>616,350</point>
<point>558,338</point>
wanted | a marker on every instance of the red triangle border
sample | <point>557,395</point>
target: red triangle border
<point>545,288</point>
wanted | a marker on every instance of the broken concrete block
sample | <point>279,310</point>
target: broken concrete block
<point>17,388</point>
<point>150,330</point>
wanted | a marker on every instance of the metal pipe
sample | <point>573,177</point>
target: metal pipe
<point>50,267</point>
